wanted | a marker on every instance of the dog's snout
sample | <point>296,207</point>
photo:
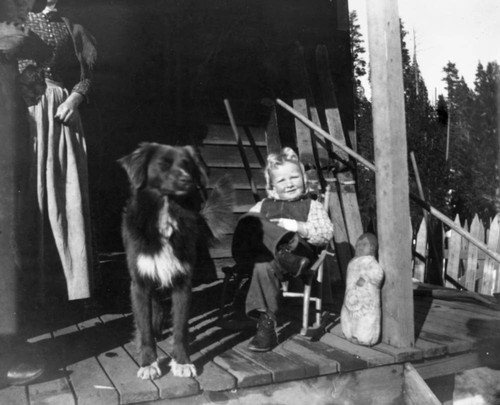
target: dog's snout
<point>183,177</point>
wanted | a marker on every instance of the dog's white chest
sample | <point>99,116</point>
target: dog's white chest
<point>164,265</point>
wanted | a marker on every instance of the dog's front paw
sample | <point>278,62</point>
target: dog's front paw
<point>182,370</point>
<point>150,372</point>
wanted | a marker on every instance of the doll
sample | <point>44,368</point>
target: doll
<point>360,315</point>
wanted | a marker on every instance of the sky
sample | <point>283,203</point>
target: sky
<point>461,31</point>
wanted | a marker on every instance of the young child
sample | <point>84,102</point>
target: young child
<point>277,238</point>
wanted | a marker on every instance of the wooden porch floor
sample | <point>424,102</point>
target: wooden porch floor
<point>93,361</point>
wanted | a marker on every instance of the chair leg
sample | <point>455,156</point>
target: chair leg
<point>319,299</point>
<point>222,304</point>
<point>305,309</point>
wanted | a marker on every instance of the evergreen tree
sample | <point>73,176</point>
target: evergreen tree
<point>425,137</point>
<point>484,139</point>
<point>363,121</point>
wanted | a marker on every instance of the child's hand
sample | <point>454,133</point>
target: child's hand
<point>288,224</point>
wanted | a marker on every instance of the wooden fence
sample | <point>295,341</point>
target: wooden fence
<point>460,263</point>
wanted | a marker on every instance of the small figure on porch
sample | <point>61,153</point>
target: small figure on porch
<point>360,315</point>
<point>277,238</point>
<point>59,176</point>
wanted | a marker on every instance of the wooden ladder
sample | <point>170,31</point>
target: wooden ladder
<point>224,155</point>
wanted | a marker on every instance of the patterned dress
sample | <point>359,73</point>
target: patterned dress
<point>60,157</point>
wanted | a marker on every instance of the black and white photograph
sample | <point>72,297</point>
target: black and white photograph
<point>241,202</point>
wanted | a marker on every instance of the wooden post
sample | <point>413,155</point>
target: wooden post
<point>393,207</point>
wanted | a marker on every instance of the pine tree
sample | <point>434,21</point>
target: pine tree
<point>425,137</point>
<point>484,139</point>
<point>363,121</point>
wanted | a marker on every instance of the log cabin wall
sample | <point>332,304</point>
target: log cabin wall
<point>163,65</point>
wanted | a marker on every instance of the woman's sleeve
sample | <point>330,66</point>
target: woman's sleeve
<point>86,52</point>
<point>319,225</point>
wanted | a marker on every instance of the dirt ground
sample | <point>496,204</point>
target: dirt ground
<point>478,386</point>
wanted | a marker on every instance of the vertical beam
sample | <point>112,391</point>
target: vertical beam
<point>393,208</point>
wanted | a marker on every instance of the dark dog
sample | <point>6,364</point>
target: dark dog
<point>164,222</point>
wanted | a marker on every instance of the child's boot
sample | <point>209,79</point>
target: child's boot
<point>266,337</point>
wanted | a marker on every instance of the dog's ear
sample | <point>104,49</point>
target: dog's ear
<point>202,179</point>
<point>136,164</point>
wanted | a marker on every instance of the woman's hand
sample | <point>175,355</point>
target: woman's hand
<point>68,110</point>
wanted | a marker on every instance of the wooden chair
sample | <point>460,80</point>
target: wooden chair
<point>317,279</point>
<point>234,275</point>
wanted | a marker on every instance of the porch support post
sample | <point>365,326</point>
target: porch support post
<point>393,211</point>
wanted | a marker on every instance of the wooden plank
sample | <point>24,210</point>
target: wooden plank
<point>371,357</point>
<point>346,361</point>
<point>56,391</point>
<point>13,396</point>
<point>421,251</point>
<point>272,135</point>
<point>447,365</point>
<point>238,177</point>
<point>325,365</point>
<point>453,345</point>
<point>310,368</point>
<point>490,265</point>
<point>472,255</point>
<point>280,367</point>
<point>464,251</point>
<point>417,392</point>
<point>342,246</point>
<point>223,135</point>
<point>476,326</point>
<point>247,373</point>
<point>53,392</point>
<point>300,88</point>
<point>430,349</point>
<point>345,178</point>
<point>168,385</point>
<point>89,381</point>
<point>376,386</point>
<point>211,377</point>
<point>392,189</point>
<point>400,354</point>
<point>454,250</point>
<point>227,156</point>
<point>122,371</point>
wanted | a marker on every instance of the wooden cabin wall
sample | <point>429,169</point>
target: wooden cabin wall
<point>162,63</point>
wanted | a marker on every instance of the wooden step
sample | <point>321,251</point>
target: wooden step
<point>238,177</point>
<point>245,112</point>
<point>229,156</point>
<point>224,135</point>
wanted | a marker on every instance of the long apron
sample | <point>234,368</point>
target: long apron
<point>62,191</point>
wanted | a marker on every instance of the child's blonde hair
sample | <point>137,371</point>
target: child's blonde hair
<point>286,155</point>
